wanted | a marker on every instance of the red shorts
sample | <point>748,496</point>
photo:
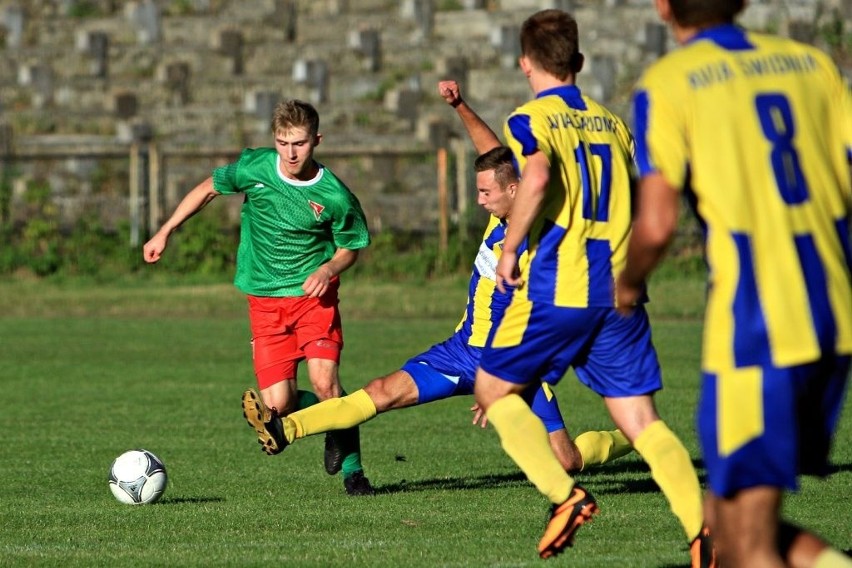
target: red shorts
<point>287,330</point>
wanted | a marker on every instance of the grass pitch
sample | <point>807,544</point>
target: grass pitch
<point>89,372</point>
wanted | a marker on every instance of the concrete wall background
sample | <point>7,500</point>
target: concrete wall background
<point>88,75</point>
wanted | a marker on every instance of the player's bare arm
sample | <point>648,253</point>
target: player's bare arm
<point>317,283</point>
<point>653,228</point>
<point>192,203</point>
<point>483,138</point>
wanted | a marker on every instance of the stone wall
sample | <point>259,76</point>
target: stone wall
<point>82,81</point>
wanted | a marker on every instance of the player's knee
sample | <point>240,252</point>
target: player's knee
<point>392,392</point>
<point>324,378</point>
<point>325,391</point>
<point>632,415</point>
<point>279,403</point>
<point>488,389</point>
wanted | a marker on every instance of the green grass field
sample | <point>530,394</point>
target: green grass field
<point>88,372</point>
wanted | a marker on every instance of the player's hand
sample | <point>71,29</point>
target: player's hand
<point>153,249</point>
<point>450,91</point>
<point>479,416</point>
<point>508,273</point>
<point>626,295</point>
<point>317,283</point>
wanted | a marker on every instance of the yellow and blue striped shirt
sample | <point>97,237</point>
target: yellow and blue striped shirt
<point>759,129</point>
<point>579,241</point>
<point>485,304</point>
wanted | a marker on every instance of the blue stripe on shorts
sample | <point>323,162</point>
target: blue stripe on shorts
<point>449,369</point>
<point>611,354</point>
<point>797,410</point>
<point>444,370</point>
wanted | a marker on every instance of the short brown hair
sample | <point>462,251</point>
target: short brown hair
<point>502,161</point>
<point>551,39</point>
<point>693,13</point>
<point>294,113</point>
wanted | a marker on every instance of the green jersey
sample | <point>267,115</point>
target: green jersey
<point>288,227</point>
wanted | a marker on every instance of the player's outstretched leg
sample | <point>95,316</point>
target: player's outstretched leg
<point>564,521</point>
<point>270,430</point>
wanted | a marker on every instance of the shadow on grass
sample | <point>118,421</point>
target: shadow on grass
<point>839,468</point>
<point>478,482</point>
<point>182,500</point>
<point>628,476</point>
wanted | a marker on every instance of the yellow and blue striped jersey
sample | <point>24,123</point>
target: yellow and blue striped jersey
<point>758,129</point>
<point>578,243</point>
<point>485,304</point>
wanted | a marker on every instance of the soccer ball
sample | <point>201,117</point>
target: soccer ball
<point>137,477</point>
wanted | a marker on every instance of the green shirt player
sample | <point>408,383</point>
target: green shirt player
<point>300,228</point>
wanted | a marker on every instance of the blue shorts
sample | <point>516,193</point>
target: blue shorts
<point>611,354</point>
<point>766,426</point>
<point>449,369</point>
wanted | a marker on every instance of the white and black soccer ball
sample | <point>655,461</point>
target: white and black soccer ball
<point>137,477</point>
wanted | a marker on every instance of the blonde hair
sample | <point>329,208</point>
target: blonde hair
<point>294,113</point>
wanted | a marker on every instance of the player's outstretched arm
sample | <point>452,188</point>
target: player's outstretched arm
<point>481,135</point>
<point>191,204</point>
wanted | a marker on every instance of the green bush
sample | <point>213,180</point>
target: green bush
<point>206,246</point>
<point>39,247</point>
<point>398,255</point>
<point>202,246</point>
<point>42,246</point>
<point>84,9</point>
<point>9,254</point>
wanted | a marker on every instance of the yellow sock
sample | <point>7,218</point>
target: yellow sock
<point>331,414</point>
<point>672,469</point>
<point>525,440</point>
<point>600,447</point>
<point>832,558</point>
